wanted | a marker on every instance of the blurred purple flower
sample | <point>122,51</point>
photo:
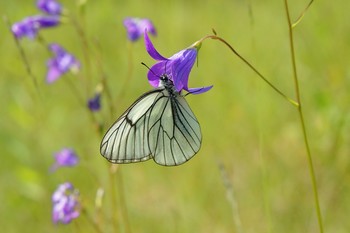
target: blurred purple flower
<point>51,7</point>
<point>30,26</point>
<point>135,27</point>
<point>177,67</point>
<point>61,63</point>
<point>94,103</point>
<point>65,204</point>
<point>65,158</point>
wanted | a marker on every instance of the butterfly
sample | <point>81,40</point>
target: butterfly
<point>158,125</point>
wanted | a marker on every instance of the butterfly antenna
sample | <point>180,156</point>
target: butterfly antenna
<point>149,69</point>
<point>165,67</point>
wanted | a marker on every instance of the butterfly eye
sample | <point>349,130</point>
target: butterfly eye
<point>164,78</point>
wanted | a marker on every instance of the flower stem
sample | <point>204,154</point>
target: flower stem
<point>103,78</point>
<point>91,220</point>
<point>129,72</point>
<point>123,207</point>
<point>86,51</point>
<point>215,37</point>
<point>301,117</point>
<point>112,180</point>
<point>231,198</point>
<point>302,14</point>
<point>23,56</point>
<point>82,103</point>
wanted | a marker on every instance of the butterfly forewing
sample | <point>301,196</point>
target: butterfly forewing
<point>127,139</point>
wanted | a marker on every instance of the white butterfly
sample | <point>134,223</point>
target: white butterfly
<point>158,125</point>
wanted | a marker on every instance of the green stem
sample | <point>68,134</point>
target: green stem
<point>215,37</point>
<point>302,121</point>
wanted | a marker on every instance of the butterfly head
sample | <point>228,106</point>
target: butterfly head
<point>166,81</point>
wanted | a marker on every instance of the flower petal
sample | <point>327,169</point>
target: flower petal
<point>50,7</point>
<point>66,157</point>
<point>181,67</point>
<point>24,28</point>
<point>29,26</point>
<point>94,104</point>
<point>148,25</point>
<point>61,63</point>
<point>56,49</point>
<point>155,72</point>
<point>151,50</point>
<point>132,29</point>
<point>45,21</point>
<point>53,72</point>
<point>198,90</point>
<point>65,62</point>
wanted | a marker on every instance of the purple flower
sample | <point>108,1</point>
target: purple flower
<point>30,26</point>
<point>65,204</point>
<point>177,67</point>
<point>94,103</point>
<point>61,63</point>
<point>51,7</point>
<point>136,27</point>
<point>65,158</point>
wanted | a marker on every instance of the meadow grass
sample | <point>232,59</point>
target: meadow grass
<point>252,172</point>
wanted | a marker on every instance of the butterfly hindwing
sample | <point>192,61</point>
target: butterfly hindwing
<point>176,136</point>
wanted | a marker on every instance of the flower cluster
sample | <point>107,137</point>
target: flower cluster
<point>65,204</point>
<point>65,198</point>
<point>135,27</point>
<point>65,158</point>
<point>60,63</point>
<point>30,26</point>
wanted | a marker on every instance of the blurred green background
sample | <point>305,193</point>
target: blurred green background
<point>246,126</point>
